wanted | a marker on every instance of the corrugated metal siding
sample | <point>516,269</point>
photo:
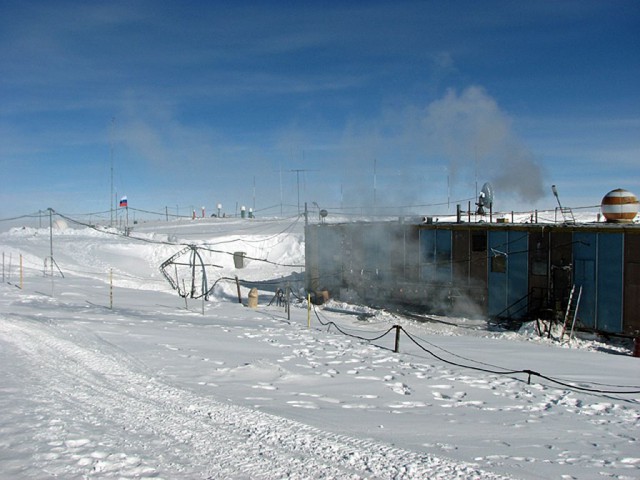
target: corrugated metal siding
<point>584,275</point>
<point>561,254</point>
<point>508,286</point>
<point>329,254</point>
<point>598,268</point>
<point>412,256</point>
<point>539,271</point>
<point>631,284</point>
<point>609,272</point>
<point>435,256</point>
<point>461,258</point>
<point>444,248</point>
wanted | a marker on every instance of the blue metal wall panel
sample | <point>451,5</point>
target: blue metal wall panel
<point>435,255</point>
<point>497,302</point>
<point>444,246</point>
<point>609,301</point>
<point>508,289</point>
<point>497,245</point>
<point>329,257</point>
<point>518,274</point>
<point>584,275</point>
<point>427,254</point>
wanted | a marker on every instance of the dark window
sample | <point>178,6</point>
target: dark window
<point>479,242</point>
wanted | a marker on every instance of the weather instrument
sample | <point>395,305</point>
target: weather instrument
<point>186,271</point>
<point>567,213</point>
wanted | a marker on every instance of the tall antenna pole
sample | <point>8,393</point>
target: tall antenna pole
<point>298,182</point>
<point>476,169</point>
<point>375,164</point>
<point>297,171</point>
<point>448,190</point>
<point>111,197</point>
<point>281,189</point>
<point>51,239</point>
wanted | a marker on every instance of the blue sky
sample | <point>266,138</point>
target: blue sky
<point>350,103</point>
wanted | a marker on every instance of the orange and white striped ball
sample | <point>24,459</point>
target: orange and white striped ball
<point>619,206</point>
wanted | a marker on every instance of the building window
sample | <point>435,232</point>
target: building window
<point>479,242</point>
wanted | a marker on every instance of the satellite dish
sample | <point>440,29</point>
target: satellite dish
<point>485,198</point>
<point>487,189</point>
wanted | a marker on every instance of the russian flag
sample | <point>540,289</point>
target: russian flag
<point>123,201</point>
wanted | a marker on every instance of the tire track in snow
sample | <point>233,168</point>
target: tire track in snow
<point>185,435</point>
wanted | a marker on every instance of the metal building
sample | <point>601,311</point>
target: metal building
<point>501,271</point>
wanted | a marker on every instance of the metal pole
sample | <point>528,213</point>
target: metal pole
<point>298,181</point>
<point>375,186</point>
<point>51,239</point>
<point>111,195</point>
<point>111,288</point>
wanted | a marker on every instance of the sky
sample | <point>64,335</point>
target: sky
<point>403,107</point>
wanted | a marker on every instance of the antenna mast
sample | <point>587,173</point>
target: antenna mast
<point>297,172</point>
<point>111,196</point>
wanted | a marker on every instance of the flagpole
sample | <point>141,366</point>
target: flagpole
<point>124,202</point>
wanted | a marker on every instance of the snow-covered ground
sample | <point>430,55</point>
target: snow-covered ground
<point>134,382</point>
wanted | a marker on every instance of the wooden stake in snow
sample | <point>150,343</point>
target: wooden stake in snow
<point>238,287</point>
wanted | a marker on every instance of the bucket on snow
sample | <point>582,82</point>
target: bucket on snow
<point>238,259</point>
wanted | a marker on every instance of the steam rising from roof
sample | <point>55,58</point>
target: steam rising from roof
<point>465,136</point>
<point>470,128</point>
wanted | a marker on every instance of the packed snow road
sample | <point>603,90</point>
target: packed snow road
<point>102,414</point>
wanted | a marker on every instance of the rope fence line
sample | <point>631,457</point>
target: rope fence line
<point>624,389</point>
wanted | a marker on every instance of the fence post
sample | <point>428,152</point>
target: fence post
<point>238,288</point>
<point>397,346</point>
